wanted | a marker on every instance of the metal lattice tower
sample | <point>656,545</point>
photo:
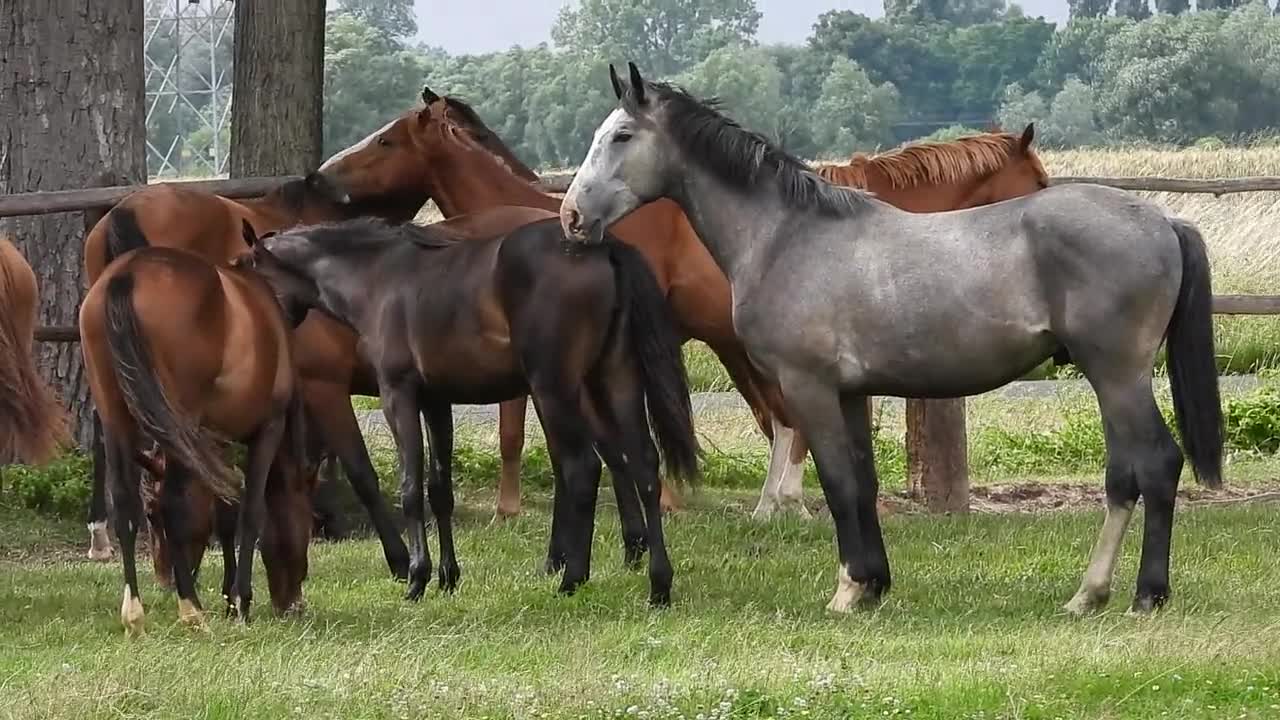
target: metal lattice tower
<point>188,49</point>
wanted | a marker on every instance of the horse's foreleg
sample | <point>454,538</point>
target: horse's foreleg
<point>263,449</point>
<point>511,416</point>
<point>400,407</point>
<point>330,407</point>
<point>439,419</point>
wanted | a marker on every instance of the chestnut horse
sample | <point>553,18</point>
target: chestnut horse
<point>426,154</point>
<point>177,352</point>
<point>33,424</point>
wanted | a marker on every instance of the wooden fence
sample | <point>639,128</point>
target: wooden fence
<point>941,438</point>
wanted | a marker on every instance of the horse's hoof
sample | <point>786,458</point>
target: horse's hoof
<point>449,578</point>
<point>553,565</point>
<point>399,567</point>
<point>416,590</point>
<point>132,615</point>
<point>1144,606</point>
<point>660,599</point>
<point>1085,602</point>
<point>764,510</point>
<point>100,549</point>
<point>190,615</point>
<point>502,514</point>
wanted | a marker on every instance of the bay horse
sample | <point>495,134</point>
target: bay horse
<point>480,321</point>
<point>430,153</point>
<point>179,351</point>
<point>33,424</point>
<point>330,369</point>
<point>839,295</point>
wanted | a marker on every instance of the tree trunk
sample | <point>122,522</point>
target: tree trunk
<point>72,109</point>
<point>937,461</point>
<point>277,98</point>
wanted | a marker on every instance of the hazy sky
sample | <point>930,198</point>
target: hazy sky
<point>487,25</point>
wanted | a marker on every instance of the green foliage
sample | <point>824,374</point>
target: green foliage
<point>58,488</point>
<point>852,111</point>
<point>393,19</point>
<point>747,81</point>
<point>950,133</point>
<point>663,36</point>
<point>1253,421</point>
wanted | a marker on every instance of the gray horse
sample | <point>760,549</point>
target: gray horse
<point>838,296</point>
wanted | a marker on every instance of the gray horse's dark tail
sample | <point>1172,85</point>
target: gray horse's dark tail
<point>180,438</point>
<point>123,233</point>
<point>1193,372</point>
<point>652,336</point>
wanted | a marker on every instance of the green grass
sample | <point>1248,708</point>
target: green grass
<point>971,629</point>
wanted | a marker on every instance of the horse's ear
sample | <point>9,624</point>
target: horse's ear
<point>617,84</point>
<point>250,236</point>
<point>637,83</point>
<point>429,96</point>
<point>1028,134</point>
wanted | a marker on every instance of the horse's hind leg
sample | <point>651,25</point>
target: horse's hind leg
<point>401,408</point>
<point>263,448</point>
<point>122,474</point>
<point>173,511</point>
<point>1142,459</point>
<point>99,543</point>
<point>225,517</point>
<point>511,415</point>
<point>439,420</point>
<point>626,445</point>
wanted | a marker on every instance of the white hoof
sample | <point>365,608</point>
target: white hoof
<point>848,592</point>
<point>132,615</point>
<point>191,616</point>
<point>100,549</point>
<point>764,509</point>
<point>1085,602</point>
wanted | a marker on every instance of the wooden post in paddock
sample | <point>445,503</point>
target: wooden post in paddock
<point>72,104</point>
<point>937,454</point>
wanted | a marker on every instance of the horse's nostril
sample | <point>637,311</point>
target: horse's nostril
<point>575,220</point>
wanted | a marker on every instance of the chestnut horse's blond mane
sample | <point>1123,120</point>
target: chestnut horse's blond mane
<point>932,163</point>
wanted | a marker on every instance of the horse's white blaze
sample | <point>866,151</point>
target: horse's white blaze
<point>99,543</point>
<point>131,613</point>
<point>355,148</point>
<point>847,591</point>
<point>589,167</point>
<point>1095,587</point>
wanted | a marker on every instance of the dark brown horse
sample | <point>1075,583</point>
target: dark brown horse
<point>178,352</point>
<point>330,368</point>
<point>33,424</point>
<point>429,153</point>
<point>479,321</point>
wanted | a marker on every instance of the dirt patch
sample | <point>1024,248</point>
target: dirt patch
<point>1033,497</point>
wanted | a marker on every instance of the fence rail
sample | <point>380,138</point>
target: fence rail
<point>91,199</point>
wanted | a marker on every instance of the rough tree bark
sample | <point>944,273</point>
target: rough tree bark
<point>937,460</point>
<point>277,98</point>
<point>71,111</point>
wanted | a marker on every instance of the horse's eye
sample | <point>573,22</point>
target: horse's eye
<point>384,142</point>
<point>622,137</point>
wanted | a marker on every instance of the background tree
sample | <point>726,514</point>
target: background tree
<point>1136,9</point>
<point>72,108</point>
<point>748,83</point>
<point>853,112</point>
<point>1089,8</point>
<point>1173,7</point>
<point>662,36</point>
<point>277,103</point>
<point>392,19</point>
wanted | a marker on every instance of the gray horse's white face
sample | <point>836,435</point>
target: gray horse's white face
<point>626,167</point>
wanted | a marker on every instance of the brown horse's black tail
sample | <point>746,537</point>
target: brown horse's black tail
<point>33,425</point>
<point>1193,371</point>
<point>652,335</point>
<point>123,234</point>
<point>180,438</point>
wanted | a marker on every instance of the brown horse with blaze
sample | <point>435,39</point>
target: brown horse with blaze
<point>427,153</point>
<point>178,351</point>
<point>33,425</point>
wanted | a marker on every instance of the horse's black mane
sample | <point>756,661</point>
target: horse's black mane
<point>489,139</point>
<point>372,234</point>
<point>738,156</point>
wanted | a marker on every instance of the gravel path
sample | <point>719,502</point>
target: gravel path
<point>720,401</point>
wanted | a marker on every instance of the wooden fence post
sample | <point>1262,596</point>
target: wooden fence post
<point>937,454</point>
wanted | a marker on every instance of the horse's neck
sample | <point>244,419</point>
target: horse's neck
<point>734,238</point>
<point>467,185</point>
<point>270,212</point>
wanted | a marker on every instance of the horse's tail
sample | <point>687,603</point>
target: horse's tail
<point>1193,372</point>
<point>123,233</point>
<point>33,424</point>
<point>180,438</point>
<point>653,338</point>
